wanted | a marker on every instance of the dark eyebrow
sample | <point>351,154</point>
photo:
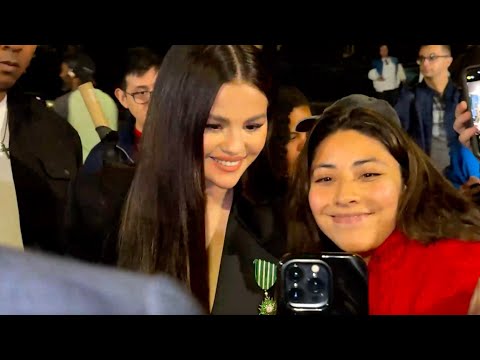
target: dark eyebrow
<point>373,159</point>
<point>140,88</point>
<point>356,163</point>
<point>433,54</point>
<point>222,119</point>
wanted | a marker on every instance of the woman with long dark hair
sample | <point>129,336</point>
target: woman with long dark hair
<point>371,190</point>
<point>187,213</point>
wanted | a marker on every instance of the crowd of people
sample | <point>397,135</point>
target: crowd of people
<point>218,166</point>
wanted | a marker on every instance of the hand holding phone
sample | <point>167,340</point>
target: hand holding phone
<point>471,93</point>
<point>330,283</point>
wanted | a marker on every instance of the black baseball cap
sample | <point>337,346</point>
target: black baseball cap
<point>349,103</point>
<point>307,124</point>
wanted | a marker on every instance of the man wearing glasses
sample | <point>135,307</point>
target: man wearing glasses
<point>135,88</point>
<point>98,193</point>
<point>427,113</point>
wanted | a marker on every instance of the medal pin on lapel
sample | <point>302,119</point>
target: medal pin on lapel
<point>265,277</point>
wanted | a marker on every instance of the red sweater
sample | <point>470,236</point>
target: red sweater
<point>406,277</point>
<point>137,135</point>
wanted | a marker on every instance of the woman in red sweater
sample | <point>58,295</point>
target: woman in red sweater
<point>374,192</point>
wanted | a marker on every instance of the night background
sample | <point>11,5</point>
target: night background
<point>324,72</point>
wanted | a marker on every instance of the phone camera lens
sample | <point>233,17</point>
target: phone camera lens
<point>315,285</point>
<point>295,273</point>
<point>295,295</point>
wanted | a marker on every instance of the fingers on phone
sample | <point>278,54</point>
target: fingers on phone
<point>463,106</point>
<point>460,123</point>
<point>466,135</point>
<point>460,108</point>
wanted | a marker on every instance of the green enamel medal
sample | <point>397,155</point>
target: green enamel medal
<point>265,277</point>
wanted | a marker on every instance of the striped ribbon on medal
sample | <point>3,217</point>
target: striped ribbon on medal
<point>265,274</point>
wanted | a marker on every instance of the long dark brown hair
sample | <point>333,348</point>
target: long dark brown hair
<point>430,208</point>
<point>271,175</point>
<point>163,225</point>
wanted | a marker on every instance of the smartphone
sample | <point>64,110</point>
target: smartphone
<point>329,283</point>
<point>471,94</point>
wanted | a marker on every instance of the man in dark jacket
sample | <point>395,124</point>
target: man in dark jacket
<point>40,155</point>
<point>427,113</point>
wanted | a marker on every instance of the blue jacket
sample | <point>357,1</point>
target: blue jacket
<point>414,108</point>
<point>378,64</point>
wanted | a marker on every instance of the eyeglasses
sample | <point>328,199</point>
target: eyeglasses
<point>141,97</point>
<point>430,58</point>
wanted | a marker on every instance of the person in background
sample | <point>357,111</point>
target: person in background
<point>97,194</point>
<point>134,91</point>
<point>291,107</point>
<point>40,154</point>
<point>77,69</point>
<point>387,74</point>
<point>427,113</point>
<point>276,163</point>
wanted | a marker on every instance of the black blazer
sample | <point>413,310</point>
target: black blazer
<point>253,232</point>
<point>45,154</point>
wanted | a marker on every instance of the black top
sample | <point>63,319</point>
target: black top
<point>253,232</point>
<point>45,156</point>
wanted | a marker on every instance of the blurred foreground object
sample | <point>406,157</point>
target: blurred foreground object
<point>39,284</point>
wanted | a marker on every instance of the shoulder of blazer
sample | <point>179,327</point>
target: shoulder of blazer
<point>26,110</point>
